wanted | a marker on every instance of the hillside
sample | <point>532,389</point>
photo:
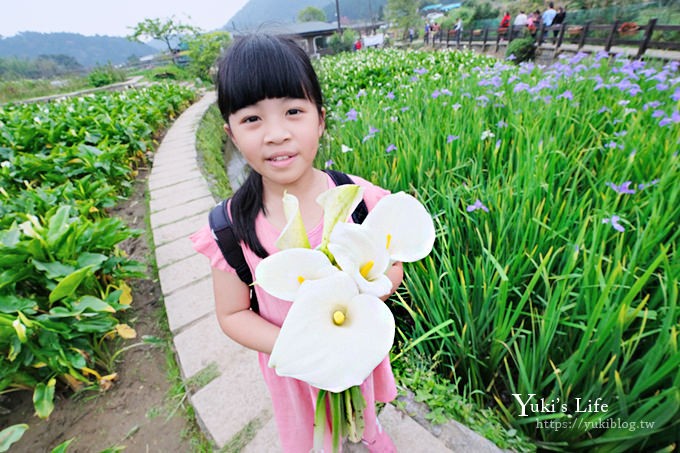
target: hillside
<point>87,50</point>
<point>256,12</point>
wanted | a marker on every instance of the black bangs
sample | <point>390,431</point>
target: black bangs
<point>259,67</point>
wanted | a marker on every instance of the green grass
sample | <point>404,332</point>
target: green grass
<point>16,90</point>
<point>210,143</point>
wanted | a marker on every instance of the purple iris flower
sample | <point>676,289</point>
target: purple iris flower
<point>391,148</point>
<point>420,71</point>
<point>351,115</point>
<point>452,138</point>
<point>604,109</point>
<point>328,163</point>
<point>665,122</point>
<point>390,95</point>
<point>651,105</point>
<point>623,188</point>
<point>477,205</point>
<point>435,94</point>
<point>614,222</point>
<point>676,95</point>
<point>566,95</point>
<point>403,109</point>
<point>658,113</point>
<point>643,186</point>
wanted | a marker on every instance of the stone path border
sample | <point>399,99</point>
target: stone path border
<point>224,382</point>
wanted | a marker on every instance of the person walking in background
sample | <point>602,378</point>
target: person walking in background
<point>411,34</point>
<point>532,22</point>
<point>426,35</point>
<point>458,29</point>
<point>521,20</point>
<point>548,16</point>
<point>505,24</point>
<point>558,20</point>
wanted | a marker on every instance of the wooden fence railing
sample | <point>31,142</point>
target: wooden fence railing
<point>637,38</point>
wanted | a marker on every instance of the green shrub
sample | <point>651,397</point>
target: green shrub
<point>105,75</point>
<point>342,43</point>
<point>521,49</point>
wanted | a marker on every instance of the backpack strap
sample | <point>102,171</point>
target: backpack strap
<point>223,232</point>
<point>340,178</point>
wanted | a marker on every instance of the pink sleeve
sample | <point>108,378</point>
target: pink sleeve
<point>205,244</point>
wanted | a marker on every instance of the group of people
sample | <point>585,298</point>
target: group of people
<point>533,20</point>
<point>432,32</point>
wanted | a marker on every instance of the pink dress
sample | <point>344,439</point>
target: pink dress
<point>294,400</point>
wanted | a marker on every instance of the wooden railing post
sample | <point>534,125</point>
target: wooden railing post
<point>584,32</point>
<point>610,38</point>
<point>458,33</point>
<point>510,29</point>
<point>541,31</point>
<point>646,39</point>
<point>560,37</point>
<point>484,39</point>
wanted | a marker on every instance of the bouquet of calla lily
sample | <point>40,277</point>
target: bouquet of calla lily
<point>338,329</point>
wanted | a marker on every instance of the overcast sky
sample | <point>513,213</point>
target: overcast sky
<point>106,17</point>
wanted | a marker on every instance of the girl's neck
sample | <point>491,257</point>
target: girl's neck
<point>310,185</point>
<point>306,190</point>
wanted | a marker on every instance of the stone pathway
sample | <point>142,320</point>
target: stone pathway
<point>224,382</point>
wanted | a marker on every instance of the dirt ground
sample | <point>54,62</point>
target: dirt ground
<point>139,413</point>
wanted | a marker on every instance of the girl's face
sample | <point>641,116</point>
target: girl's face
<point>278,137</point>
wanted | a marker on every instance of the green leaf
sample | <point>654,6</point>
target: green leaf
<point>69,284</point>
<point>62,447</point>
<point>12,304</point>
<point>58,225</point>
<point>10,435</point>
<point>43,398</point>
<point>91,259</point>
<point>54,270</point>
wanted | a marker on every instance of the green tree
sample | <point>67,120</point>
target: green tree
<point>311,14</point>
<point>402,12</point>
<point>204,50</point>
<point>167,30</point>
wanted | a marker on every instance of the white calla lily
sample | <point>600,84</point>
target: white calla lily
<point>359,254</point>
<point>282,273</point>
<point>403,225</point>
<point>333,337</point>
<point>338,204</point>
<point>293,234</point>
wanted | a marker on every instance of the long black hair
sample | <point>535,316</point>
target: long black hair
<point>257,67</point>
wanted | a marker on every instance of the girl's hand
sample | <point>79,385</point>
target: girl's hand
<point>396,274</point>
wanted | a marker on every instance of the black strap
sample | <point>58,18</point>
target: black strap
<point>223,232</point>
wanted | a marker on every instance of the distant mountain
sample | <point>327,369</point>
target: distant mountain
<point>256,12</point>
<point>89,51</point>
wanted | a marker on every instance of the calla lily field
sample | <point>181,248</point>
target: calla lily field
<point>63,277</point>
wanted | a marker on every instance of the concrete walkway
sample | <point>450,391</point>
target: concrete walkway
<point>224,382</point>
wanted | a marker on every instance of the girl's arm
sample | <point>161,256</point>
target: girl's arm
<point>232,306</point>
<point>396,274</point>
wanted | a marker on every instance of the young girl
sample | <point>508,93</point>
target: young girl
<point>270,99</point>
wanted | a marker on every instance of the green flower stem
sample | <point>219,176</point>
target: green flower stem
<point>319,420</point>
<point>336,419</point>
